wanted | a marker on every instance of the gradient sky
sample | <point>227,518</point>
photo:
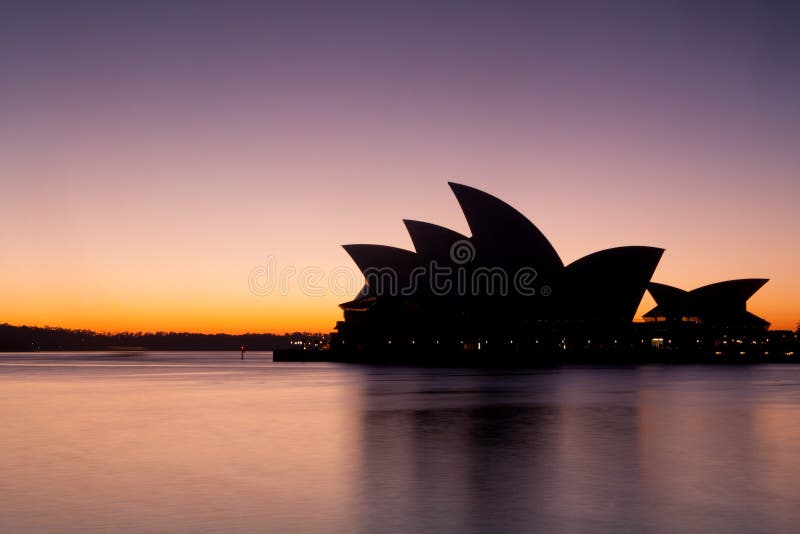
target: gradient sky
<point>155,154</point>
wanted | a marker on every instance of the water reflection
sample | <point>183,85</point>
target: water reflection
<point>175,444</point>
<point>581,450</point>
<point>206,442</point>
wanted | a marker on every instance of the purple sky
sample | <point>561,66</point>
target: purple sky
<point>153,153</point>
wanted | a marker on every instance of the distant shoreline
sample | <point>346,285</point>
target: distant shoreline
<point>47,339</point>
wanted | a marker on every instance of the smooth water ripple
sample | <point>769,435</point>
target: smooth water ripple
<point>205,442</point>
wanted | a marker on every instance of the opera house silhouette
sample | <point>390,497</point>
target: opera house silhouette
<point>505,290</point>
<point>721,304</point>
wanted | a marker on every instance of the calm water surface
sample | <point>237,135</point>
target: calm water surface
<point>205,442</point>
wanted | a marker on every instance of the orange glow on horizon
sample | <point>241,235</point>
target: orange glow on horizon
<point>275,315</point>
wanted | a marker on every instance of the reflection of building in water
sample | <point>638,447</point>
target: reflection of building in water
<point>626,449</point>
<point>505,290</point>
<point>452,461</point>
<point>511,453</point>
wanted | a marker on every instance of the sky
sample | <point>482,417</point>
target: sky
<point>160,161</point>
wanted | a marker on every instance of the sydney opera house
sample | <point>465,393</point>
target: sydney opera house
<point>505,290</point>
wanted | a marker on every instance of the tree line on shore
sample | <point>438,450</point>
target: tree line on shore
<point>33,338</point>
